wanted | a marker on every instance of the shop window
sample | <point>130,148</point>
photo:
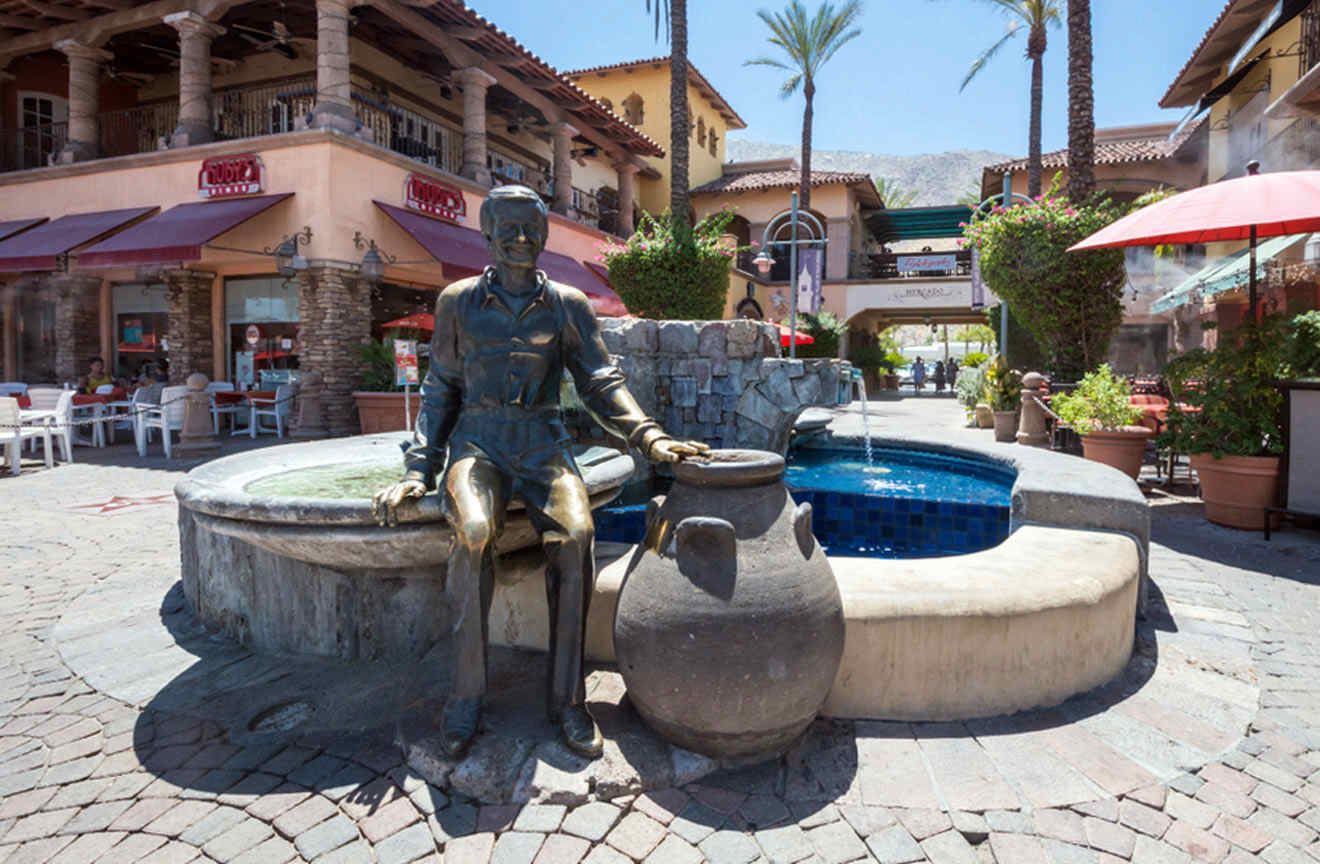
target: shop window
<point>141,315</point>
<point>43,124</point>
<point>390,302</point>
<point>261,330</point>
<point>633,110</point>
<point>36,337</point>
<point>701,132</point>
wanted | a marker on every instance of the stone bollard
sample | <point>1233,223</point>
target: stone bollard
<point>310,424</point>
<point>197,437</point>
<point>1031,426</point>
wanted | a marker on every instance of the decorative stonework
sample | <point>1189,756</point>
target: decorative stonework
<point>722,382</point>
<point>77,323</point>
<point>334,306</point>
<point>334,107</point>
<point>474,83</point>
<point>195,92</point>
<point>188,295</point>
<point>84,140</point>
<point>563,154</point>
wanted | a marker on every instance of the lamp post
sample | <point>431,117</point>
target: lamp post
<point>765,260</point>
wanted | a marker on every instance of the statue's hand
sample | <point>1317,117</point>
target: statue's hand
<point>385,504</point>
<point>669,450</point>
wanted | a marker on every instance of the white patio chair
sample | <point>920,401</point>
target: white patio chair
<point>60,403</point>
<point>13,388</point>
<point>167,417</point>
<point>13,433</point>
<point>231,408</point>
<point>142,402</point>
<point>277,408</point>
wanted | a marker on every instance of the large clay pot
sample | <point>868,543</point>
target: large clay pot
<point>729,625</point>
<point>1121,448</point>
<point>891,382</point>
<point>380,411</point>
<point>1006,423</point>
<point>1237,489</point>
<point>985,418</point>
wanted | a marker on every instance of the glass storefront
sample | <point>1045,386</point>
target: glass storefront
<point>141,326</point>
<point>36,337</point>
<point>261,330</point>
<point>390,302</point>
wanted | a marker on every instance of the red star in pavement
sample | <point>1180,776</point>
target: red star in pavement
<point>123,502</point>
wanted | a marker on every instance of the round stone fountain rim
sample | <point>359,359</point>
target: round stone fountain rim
<point>731,468</point>
<point>218,488</point>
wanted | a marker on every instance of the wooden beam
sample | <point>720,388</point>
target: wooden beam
<point>18,22</point>
<point>50,10</point>
<point>95,31</point>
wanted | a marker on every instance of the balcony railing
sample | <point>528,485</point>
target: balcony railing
<point>32,146</point>
<point>137,130</point>
<point>884,265</point>
<point>266,109</point>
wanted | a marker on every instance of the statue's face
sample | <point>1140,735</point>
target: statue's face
<point>518,235</point>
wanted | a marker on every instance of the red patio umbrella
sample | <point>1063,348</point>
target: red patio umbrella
<point>415,321</point>
<point>1246,208</point>
<point>802,338</point>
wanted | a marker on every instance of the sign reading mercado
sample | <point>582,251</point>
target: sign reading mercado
<point>430,196</point>
<point>231,176</point>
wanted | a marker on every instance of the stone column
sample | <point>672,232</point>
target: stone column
<point>1031,419</point>
<point>84,140</point>
<point>563,158</point>
<point>627,197</point>
<point>474,84</point>
<point>188,293</point>
<point>309,423</point>
<point>77,322</point>
<point>105,319</point>
<point>197,437</point>
<point>334,88</point>
<point>9,301</point>
<point>334,308</point>
<point>196,117</point>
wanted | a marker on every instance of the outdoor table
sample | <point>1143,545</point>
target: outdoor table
<point>234,397</point>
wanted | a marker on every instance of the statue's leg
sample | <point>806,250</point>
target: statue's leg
<point>475,502</point>
<point>561,511</point>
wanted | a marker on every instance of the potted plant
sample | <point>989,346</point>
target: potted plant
<point>1100,410</point>
<point>893,362</point>
<point>380,402</point>
<point>968,387</point>
<point>871,360</point>
<point>1227,416</point>
<point>1003,394</point>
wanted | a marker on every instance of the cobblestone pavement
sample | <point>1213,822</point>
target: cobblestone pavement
<point>1207,748</point>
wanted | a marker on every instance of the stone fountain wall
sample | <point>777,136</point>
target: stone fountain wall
<point>722,382</point>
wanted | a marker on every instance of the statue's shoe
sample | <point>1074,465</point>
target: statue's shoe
<point>581,734</point>
<point>461,718</point>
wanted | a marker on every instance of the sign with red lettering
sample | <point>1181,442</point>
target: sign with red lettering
<point>430,196</point>
<point>230,176</point>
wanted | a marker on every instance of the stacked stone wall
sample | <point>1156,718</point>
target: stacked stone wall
<point>188,295</point>
<point>334,306</point>
<point>721,382</point>
<point>77,324</point>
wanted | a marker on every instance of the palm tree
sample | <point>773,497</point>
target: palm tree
<point>808,44</point>
<point>1035,16</point>
<point>894,196</point>
<point>673,14</point>
<point>1081,103</point>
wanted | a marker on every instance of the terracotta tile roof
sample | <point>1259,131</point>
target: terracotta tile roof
<point>756,181</point>
<point>487,39</point>
<point>1179,92</point>
<point>704,87</point>
<point>1106,153</point>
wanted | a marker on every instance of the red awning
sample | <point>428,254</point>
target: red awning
<point>177,234</point>
<point>561,268</point>
<point>452,245</point>
<point>18,226</point>
<point>37,248</point>
<point>616,309</point>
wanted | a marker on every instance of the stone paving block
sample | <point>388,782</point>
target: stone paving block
<point>172,783</point>
<point>1262,770</point>
<point>1195,813</point>
<point>370,797</point>
<point>473,848</point>
<point>80,728</point>
<point>593,821</point>
<point>249,789</point>
<point>1062,825</point>
<point>80,794</point>
<point>784,844</point>
<point>1201,845</point>
<point>696,822</point>
<point>313,771</point>
<point>275,850</point>
<point>287,760</point>
<point>673,850</point>
<point>563,849</point>
<point>229,844</point>
<point>728,847</point>
<point>1109,837</point>
<point>1281,853</point>
<point>407,845</point>
<point>812,814</point>
<point>175,852</point>
<point>866,820</point>
<point>1284,761</point>
<point>725,801</point>
<point>179,818</point>
<point>311,812</point>
<point>1146,820</point>
<point>96,817</point>
<point>636,835</point>
<point>352,853</point>
<point>973,826</point>
<point>497,818</point>
<point>393,817</point>
<point>457,820</point>
<point>1104,808</point>
<point>1272,796</point>
<point>606,855</point>
<point>762,811</point>
<point>1222,798</point>
<point>20,781</point>
<point>1228,777</point>
<point>1240,833</point>
<point>949,847</point>
<point>1017,849</point>
<point>40,850</point>
<point>216,822</point>
<point>1280,827</point>
<point>836,842</point>
<point>1068,853</point>
<point>76,749</point>
<point>125,762</point>
<point>1186,784</point>
<point>38,825</point>
<point>322,838</point>
<point>924,823</point>
<point>132,849</point>
<point>88,847</point>
<point>69,772</point>
<point>1311,818</point>
<point>281,798</point>
<point>540,818</point>
<point>26,802</point>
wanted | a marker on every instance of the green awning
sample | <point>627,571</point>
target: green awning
<point>918,223</point>
<point>1225,274</point>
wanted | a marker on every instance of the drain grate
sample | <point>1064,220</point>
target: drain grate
<point>282,716</point>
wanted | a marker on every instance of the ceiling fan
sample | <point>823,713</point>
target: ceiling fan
<point>278,39</point>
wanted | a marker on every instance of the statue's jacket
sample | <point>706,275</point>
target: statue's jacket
<point>492,387</point>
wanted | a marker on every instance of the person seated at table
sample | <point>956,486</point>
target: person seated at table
<point>96,376</point>
<point>81,384</point>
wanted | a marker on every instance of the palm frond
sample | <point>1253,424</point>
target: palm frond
<point>809,40</point>
<point>788,87</point>
<point>661,15</point>
<point>989,54</point>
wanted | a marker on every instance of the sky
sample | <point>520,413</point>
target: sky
<point>893,89</point>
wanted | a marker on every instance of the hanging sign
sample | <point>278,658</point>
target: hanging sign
<point>230,176</point>
<point>405,362</point>
<point>427,195</point>
<point>809,280</point>
<point>252,334</point>
<point>918,263</point>
<point>133,331</point>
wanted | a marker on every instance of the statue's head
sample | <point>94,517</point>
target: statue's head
<point>514,221</point>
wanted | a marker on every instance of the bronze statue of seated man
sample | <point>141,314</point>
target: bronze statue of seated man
<point>502,343</point>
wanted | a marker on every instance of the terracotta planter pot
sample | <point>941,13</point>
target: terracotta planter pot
<point>1005,423</point>
<point>383,412</point>
<point>1121,448</point>
<point>729,624</point>
<point>891,382</point>
<point>1237,489</point>
<point>985,418</point>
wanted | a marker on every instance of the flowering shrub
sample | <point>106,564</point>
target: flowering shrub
<point>660,273</point>
<point>1070,301</point>
<point>1101,401</point>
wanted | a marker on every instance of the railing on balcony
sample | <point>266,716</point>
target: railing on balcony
<point>32,146</point>
<point>409,132</point>
<point>138,129</point>
<point>885,265</point>
<point>1309,53</point>
<point>264,109</point>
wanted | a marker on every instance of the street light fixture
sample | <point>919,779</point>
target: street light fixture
<point>373,262</point>
<point>765,260</point>
<point>287,259</point>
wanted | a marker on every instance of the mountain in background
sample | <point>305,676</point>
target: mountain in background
<point>937,178</point>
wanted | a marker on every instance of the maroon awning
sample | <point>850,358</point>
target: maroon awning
<point>38,248</point>
<point>569,271</point>
<point>17,226</point>
<point>177,234</point>
<point>450,244</point>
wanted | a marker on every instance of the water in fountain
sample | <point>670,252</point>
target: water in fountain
<point>860,386</point>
